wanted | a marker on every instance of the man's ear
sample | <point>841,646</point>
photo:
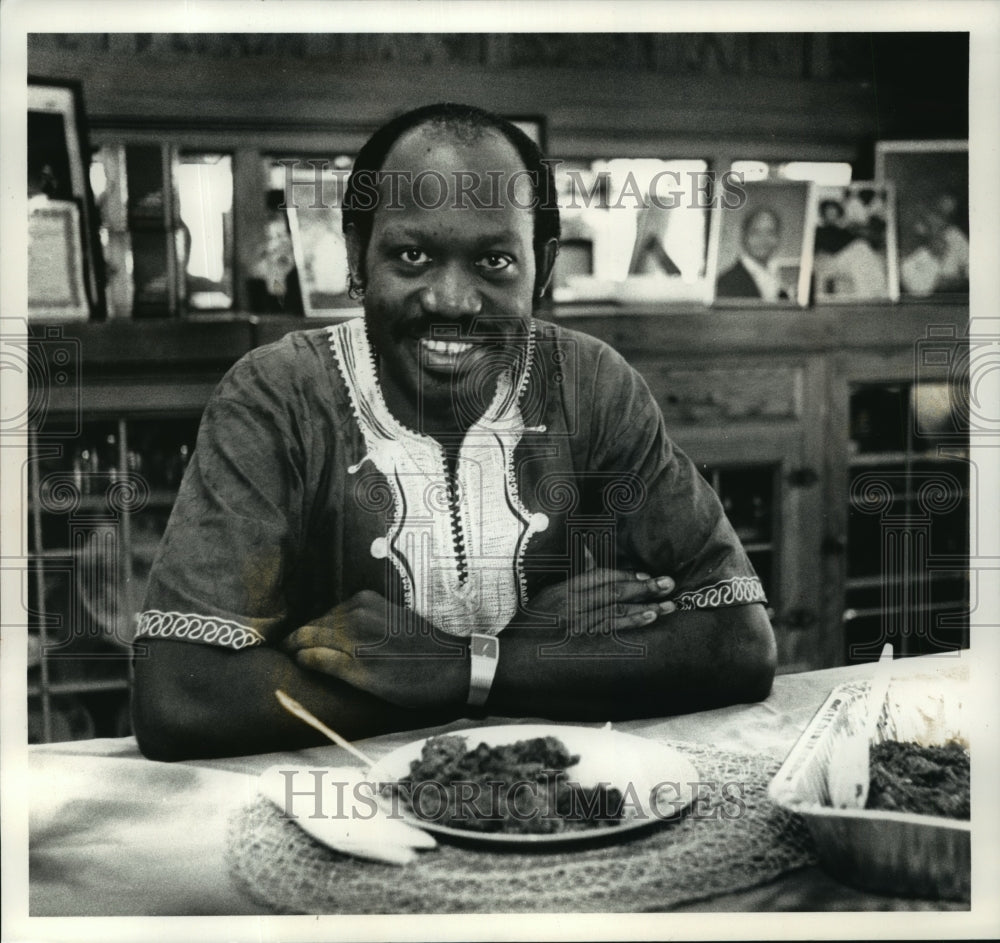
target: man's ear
<point>355,255</point>
<point>545,260</point>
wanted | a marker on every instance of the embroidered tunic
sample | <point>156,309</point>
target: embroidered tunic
<point>304,490</point>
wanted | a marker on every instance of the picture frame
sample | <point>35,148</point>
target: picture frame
<point>761,250</point>
<point>58,170</point>
<point>931,181</point>
<point>321,261</point>
<point>634,231</point>
<point>56,288</point>
<point>854,245</point>
<point>533,126</point>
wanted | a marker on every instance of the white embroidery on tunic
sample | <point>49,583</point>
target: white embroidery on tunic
<point>474,587</point>
<point>192,627</point>
<point>731,592</point>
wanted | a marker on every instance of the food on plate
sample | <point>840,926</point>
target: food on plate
<point>907,777</point>
<point>521,787</point>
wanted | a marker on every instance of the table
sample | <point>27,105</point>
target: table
<point>112,833</point>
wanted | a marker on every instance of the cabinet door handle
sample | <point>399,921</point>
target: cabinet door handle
<point>797,619</point>
<point>802,477</point>
<point>833,545</point>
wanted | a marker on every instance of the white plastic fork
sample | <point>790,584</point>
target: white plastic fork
<point>360,833</point>
<point>849,772</point>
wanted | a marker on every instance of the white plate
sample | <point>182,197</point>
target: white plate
<point>656,781</point>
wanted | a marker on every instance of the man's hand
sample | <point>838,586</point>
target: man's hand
<point>602,600</point>
<point>386,650</point>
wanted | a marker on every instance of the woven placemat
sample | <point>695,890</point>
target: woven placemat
<point>733,839</point>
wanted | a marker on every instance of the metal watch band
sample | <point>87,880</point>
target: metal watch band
<point>484,651</point>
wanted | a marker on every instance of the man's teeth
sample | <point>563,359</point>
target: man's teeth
<point>452,348</point>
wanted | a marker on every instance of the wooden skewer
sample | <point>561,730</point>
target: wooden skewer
<point>295,708</point>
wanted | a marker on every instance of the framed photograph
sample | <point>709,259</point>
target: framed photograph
<point>854,249</point>
<point>55,261</point>
<point>321,262</point>
<point>931,180</point>
<point>634,230</point>
<point>58,170</point>
<point>762,250</point>
<point>533,126</point>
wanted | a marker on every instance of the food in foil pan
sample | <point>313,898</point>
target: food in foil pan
<point>926,780</point>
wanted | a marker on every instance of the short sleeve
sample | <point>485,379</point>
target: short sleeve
<point>219,575</point>
<point>668,519</point>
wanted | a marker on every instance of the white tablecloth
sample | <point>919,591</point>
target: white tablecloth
<point>112,833</point>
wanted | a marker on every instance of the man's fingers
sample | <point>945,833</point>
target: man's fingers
<point>307,636</point>
<point>599,576</point>
<point>657,585</point>
<point>648,589</point>
<point>330,661</point>
<point>644,615</point>
<point>625,586</point>
<point>591,620</point>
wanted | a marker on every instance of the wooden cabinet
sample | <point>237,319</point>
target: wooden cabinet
<point>769,404</point>
<point>746,425</point>
<point>772,398</point>
<point>900,489</point>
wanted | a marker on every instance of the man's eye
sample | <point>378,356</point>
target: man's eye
<point>495,261</point>
<point>414,256</point>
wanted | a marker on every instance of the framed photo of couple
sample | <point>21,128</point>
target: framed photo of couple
<point>854,252</point>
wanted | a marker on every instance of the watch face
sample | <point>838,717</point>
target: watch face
<point>486,647</point>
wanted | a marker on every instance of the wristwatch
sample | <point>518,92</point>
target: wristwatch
<point>484,651</point>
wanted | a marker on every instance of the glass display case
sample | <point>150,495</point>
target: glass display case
<point>908,520</point>
<point>100,496</point>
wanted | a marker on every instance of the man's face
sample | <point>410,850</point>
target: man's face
<point>450,273</point>
<point>762,237</point>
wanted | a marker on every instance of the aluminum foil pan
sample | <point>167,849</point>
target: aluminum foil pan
<point>896,853</point>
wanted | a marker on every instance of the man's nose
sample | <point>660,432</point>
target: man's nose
<point>452,293</point>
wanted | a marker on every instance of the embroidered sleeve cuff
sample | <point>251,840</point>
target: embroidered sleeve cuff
<point>737,591</point>
<point>192,627</point>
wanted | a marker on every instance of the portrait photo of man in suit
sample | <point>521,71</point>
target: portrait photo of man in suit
<point>753,274</point>
<point>762,250</point>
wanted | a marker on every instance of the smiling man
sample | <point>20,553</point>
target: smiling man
<point>446,506</point>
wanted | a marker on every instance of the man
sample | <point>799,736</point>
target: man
<point>445,505</point>
<point>753,274</point>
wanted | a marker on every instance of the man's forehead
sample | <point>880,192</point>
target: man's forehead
<point>428,146</point>
<point>429,166</point>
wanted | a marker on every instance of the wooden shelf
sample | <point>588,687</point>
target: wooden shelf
<point>851,613</point>
<point>879,580</point>
<point>97,686</point>
<point>189,343</point>
<point>872,459</point>
<point>59,554</point>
